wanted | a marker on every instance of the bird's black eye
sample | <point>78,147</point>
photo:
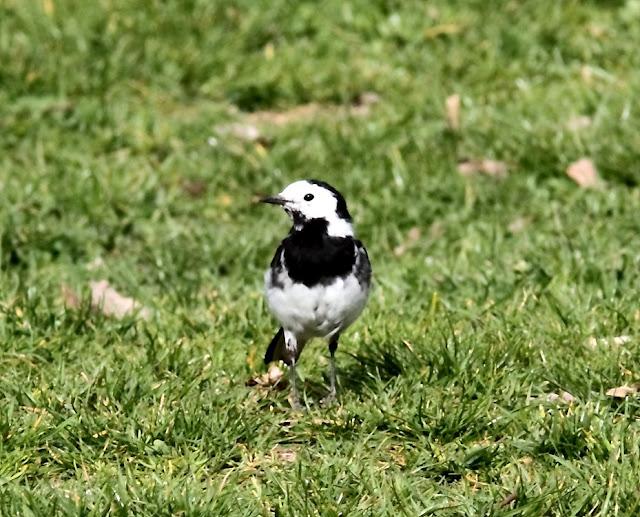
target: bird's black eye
<point>308,197</point>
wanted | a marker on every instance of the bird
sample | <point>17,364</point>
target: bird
<point>319,279</point>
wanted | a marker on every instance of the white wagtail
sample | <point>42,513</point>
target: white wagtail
<point>319,278</point>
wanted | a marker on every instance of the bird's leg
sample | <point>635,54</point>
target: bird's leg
<point>291,344</point>
<point>333,345</point>
<point>294,397</point>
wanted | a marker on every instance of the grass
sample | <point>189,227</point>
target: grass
<point>107,109</point>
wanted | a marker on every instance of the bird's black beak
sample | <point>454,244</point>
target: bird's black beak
<point>274,200</point>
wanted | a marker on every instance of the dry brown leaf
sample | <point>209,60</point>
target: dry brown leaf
<point>518,225</point>
<point>367,99</point>
<point>586,72</point>
<point>512,497</point>
<point>272,377</point>
<point>241,130</point>
<point>563,396</point>
<point>111,303</point>
<point>249,128</point>
<point>48,6</point>
<point>413,235</point>
<point>224,200</point>
<point>433,12</point>
<point>70,297</point>
<point>584,173</point>
<point>194,188</point>
<point>251,358</point>
<point>282,118</point>
<point>579,122</point>
<point>96,263</point>
<point>446,29</point>
<point>622,391</point>
<point>452,105</point>
<point>362,105</point>
<point>284,455</point>
<point>594,342</point>
<point>494,168</point>
<point>269,51</point>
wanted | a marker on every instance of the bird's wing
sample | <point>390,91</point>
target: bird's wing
<point>362,266</point>
<point>276,261</point>
<point>274,350</point>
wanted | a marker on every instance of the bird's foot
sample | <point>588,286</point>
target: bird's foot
<point>329,400</point>
<point>295,403</point>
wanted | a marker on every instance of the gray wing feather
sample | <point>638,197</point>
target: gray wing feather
<point>362,266</point>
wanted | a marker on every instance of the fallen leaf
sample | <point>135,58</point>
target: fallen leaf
<point>251,358</point>
<point>272,377</point>
<point>413,235</point>
<point>249,128</point>
<point>194,188</point>
<point>436,230</point>
<point>518,225</point>
<point>433,12</point>
<point>594,342</point>
<point>48,7</point>
<point>513,496</point>
<point>303,112</point>
<point>284,455</point>
<point>521,266</point>
<point>367,99</point>
<point>579,122</point>
<point>241,130</point>
<point>397,453</point>
<point>362,105</point>
<point>494,168</point>
<point>224,200</point>
<point>32,76</point>
<point>70,297</point>
<point>452,105</point>
<point>269,51</point>
<point>586,72</point>
<point>622,391</point>
<point>111,303</point>
<point>563,396</point>
<point>96,263</point>
<point>446,29</point>
<point>620,340</point>
<point>584,173</point>
<point>597,31</point>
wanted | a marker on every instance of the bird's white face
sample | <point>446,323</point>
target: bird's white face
<point>309,200</point>
<point>304,200</point>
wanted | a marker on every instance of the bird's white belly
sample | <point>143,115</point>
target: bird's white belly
<point>317,311</point>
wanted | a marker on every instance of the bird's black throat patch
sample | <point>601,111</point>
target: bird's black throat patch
<point>312,256</point>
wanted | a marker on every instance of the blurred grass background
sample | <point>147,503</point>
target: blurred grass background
<point>114,163</point>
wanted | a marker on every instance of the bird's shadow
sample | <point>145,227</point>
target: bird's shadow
<point>361,374</point>
<point>366,371</point>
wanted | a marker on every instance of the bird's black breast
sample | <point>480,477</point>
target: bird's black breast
<point>312,257</point>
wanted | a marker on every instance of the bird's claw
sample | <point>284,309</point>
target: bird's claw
<point>295,405</point>
<point>329,400</point>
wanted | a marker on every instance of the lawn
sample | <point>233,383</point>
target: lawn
<point>134,137</point>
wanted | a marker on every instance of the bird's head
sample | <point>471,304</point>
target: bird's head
<point>306,200</point>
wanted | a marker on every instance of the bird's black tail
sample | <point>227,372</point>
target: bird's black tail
<point>274,350</point>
